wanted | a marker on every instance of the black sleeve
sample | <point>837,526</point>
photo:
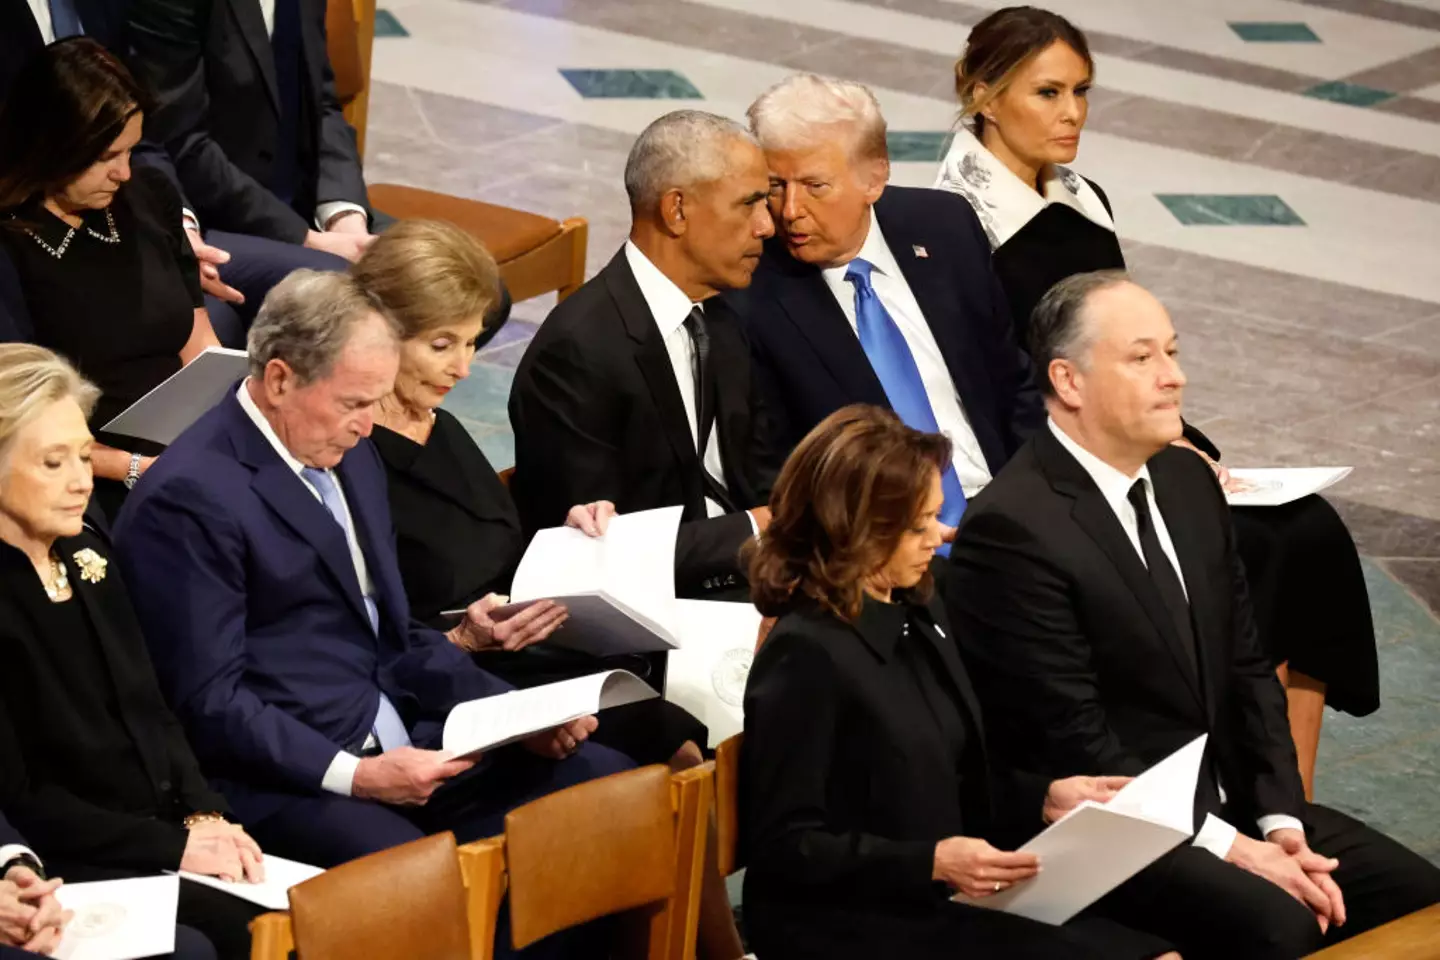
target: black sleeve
<point>15,323</point>
<point>707,553</point>
<point>161,203</point>
<point>340,174</point>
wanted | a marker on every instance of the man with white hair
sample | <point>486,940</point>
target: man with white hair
<point>637,389</point>
<point>878,294</point>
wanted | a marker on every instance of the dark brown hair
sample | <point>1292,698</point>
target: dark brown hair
<point>1000,45</point>
<point>66,107</point>
<point>843,501</point>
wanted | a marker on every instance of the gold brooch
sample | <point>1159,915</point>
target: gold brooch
<point>91,564</point>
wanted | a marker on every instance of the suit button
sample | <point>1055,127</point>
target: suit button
<point>165,786</point>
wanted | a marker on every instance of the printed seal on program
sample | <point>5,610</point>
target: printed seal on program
<point>729,675</point>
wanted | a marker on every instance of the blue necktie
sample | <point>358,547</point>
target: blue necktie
<point>894,365</point>
<point>64,21</point>
<point>389,729</point>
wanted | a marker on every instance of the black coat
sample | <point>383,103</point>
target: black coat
<point>597,415</point>
<point>1081,668</point>
<point>810,361</point>
<point>20,37</point>
<point>94,768</point>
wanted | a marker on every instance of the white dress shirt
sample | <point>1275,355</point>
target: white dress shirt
<point>669,306</point>
<point>41,10</point>
<point>1215,834</point>
<point>894,292</point>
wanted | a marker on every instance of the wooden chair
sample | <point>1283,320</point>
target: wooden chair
<point>1305,704</point>
<point>536,255</point>
<point>1413,937</point>
<point>727,803</point>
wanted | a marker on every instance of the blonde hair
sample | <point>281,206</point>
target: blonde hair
<point>31,379</point>
<point>426,273</point>
<point>799,112</point>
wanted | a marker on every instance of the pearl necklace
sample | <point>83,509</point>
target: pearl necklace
<point>61,582</point>
<point>58,252</point>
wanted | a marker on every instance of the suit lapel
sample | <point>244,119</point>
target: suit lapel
<point>364,492</point>
<point>729,368</point>
<point>251,23</point>
<point>1185,535</point>
<point>950,656</point>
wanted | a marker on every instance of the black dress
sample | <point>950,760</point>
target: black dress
<point>864,748</point>
<point>120,311</point>
<point>95,770</point>
<point>1311,605</point>
<point>458,538</point>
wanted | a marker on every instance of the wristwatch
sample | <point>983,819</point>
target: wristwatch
<point>132,476</point>
<point>23,860</point>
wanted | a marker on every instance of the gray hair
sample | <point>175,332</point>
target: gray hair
<point>801,111</point>
<point>680,149</point>
<point>307,319</point>
<point>1059,327</point>
<point>31,379</point>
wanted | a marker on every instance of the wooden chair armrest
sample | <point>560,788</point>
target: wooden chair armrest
<point>271,937</point>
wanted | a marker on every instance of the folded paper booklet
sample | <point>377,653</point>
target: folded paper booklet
<point>163,414</point>
<point>707,674</point>
<point>479,725</point>
<point>1277,486</point>
<point>119,919</point>
<point>1096,847</point>
<point>273,892</point>
<point>619,588</point>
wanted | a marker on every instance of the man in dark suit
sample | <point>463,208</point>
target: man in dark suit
<point>30,916</point>
<point>637,389</point>
<point>878,294</point>
<point>265,576</point>
<point>1098,592</point>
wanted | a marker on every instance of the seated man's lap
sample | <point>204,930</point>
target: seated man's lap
<point>329,829</point>
<point>258,263</point>
<point>1380,879</point>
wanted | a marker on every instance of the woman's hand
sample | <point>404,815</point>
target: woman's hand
<point>1065,795</point>
<point>219,849</point>
<point>481,631</point>
<point>973,867</point>
<point>1227,483</point>
<point>591,519</point>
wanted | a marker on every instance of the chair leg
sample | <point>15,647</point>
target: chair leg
<point>1305,697</point>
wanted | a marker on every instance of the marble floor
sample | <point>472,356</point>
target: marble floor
<point>1300,265</point>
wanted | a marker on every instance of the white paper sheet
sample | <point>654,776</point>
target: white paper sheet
<point>163,414</point>
<point>1095,848</point>
<point>707,674</point>
<point>619,588</point>
<point>479,725</point>
<point>119,919</point>
<point>274,892</point>
<point>1277,486</point>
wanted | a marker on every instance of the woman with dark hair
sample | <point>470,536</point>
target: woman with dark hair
<point>108,277</point>
<point>1023,83</point>
<point>867,797</point>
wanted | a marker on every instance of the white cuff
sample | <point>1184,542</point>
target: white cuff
<point>1279,821</point>
<point>1215,835</point>
<point>340,777</point>
<point>327,211</point>
<point>754,524</point>
<point>188,220</point>
<point>11,851</point>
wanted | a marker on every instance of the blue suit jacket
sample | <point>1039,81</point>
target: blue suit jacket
<point>8,834</point>
<point>249,600</point>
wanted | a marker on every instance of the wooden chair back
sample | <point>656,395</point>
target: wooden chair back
<point>350,42</point>
<point>727,803</point>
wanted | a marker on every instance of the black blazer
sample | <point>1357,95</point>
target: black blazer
<point>811,364</point>
<point>597,415</point>
<point>1081,668</point>
<point>20,36</point>
<point>9,836</point>
<point>103,782</point>
<point>217,112</point>
<point>847,784</point>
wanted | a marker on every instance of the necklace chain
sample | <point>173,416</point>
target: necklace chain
<point>58,252</point>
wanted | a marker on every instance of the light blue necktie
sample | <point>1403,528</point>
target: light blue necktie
<point>64,20</point>
<point>894,365</point>
<point>389,729</point>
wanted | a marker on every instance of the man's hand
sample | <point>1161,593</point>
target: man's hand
<point>1065,795</point>
<point>1269,860</point>
<point>559,743</point>
<point>210,260</point>
<point>591,519</point>
<point>406,775</point>
<point>342,243</point>
<point>349,221</point>
<point>481,631</point>
<point>1316,867</point>
<point>947,533</point>
<point>48,925</point>
<point>976,869</point>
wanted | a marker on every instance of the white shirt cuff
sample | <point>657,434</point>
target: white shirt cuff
<point>1216,835</point>
<point>188,220</point>
<point>326,212</point>
<point>340,777</point>
<point>11,851</point>
<point>754,524</point>
<point>1279,821</point>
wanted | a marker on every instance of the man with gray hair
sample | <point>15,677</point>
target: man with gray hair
<point>1098,594</point>
<point>638,389</point>
<point>261,560</point>
<point>871,293</point>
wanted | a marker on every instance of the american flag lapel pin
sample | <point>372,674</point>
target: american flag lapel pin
<point>921,252</point>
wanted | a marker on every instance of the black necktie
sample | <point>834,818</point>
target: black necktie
<point>704,402</point>
<point>1162,571</point>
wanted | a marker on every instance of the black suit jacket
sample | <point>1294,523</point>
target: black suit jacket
<point>847,783</point>
<point>218,113</point>
<point>1080,666</point>
<point>810,362</point>
<point>597,415</point>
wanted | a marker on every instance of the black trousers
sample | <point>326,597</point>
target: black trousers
<point>1212,909</point>
<point>256,264</point>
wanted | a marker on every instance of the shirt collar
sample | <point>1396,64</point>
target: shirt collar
<point>874,251</point>
<point>1005,203</point>
<point>669,306</point>
<point>247,403</point>
<point>1114,484</point>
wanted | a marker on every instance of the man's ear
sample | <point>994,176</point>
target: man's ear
<point>876,173</point>
<point>672,212</point>
<point>277,380</point>
<point>1067,381</point>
